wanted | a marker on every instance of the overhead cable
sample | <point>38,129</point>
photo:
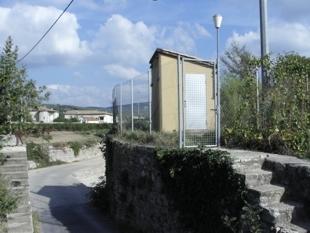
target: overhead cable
<point>45,33</point>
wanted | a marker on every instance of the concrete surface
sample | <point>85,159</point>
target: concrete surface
<point>60,198</point>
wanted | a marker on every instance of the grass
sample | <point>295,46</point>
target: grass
<point>35,222</point>
<point>161,139</point>
<point>8,203</point>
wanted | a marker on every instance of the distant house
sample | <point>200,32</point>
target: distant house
<point>90,116</point>
<point>44,114</point>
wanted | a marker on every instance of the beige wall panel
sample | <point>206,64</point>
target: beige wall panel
<point>169,95</point>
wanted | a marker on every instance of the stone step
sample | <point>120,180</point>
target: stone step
<point>15,154</point>
<point>19,217</point>
<point>13,161</point>
<point>279,213</point>
<point>23,198</point>
<point>266,194</point>
<point>15,175</point>
<point>256,177</point>
<point>21,227</point>
<point>13,167</point>
<point>243,162</point>
<point>26,208</point>
<point>298,227</point>
<point>19,183</point>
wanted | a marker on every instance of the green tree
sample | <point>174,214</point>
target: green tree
<point>237,61</point>
<point>17,93</point>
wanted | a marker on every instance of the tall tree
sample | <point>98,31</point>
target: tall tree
<point>18,94</point>
<point>236,61</point>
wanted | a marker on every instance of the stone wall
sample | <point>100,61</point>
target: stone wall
<point>292,173</point>
<point>66,154</point>
<point>135,188</point>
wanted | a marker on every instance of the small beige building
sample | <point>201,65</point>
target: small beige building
<point>44,114</point>
<point>182,90</point>
<point>90,116</point>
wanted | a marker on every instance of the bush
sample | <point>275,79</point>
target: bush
<point>40,155</point>
<point>203,188</point>
<point>99,195</point>
<point>8,201</point>
<point>76,147</point>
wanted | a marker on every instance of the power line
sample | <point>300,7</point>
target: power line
<point>45,33</point>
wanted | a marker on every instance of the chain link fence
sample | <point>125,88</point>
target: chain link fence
<point>131,104</point>
<point>176,96</point>
<point>199,103</point>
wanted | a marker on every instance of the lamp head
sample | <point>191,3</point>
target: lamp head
<point>217,19</point>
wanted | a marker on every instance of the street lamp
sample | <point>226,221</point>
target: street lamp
<point>217,19</point>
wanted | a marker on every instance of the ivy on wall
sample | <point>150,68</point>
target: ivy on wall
<point>203,188</point>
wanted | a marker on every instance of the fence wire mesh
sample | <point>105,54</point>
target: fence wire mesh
<point>199,104</point>
<point>175,96</point>
<point>131,101</point>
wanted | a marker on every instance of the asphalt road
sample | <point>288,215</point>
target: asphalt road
<point>60,200</point>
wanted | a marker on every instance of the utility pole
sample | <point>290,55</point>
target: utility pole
<point>264,38</point>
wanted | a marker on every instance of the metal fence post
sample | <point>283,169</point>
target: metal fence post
<point>150,99</point>
<point>180,110</point>
<point>121,110</point>
<point>131,89</point>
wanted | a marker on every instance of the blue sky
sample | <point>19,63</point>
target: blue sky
<point>98,44</point>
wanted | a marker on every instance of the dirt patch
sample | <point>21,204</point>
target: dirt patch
<point>64,137</point>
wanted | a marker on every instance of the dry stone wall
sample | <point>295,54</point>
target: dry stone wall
<point>66,154</point>
<point>135,188</point>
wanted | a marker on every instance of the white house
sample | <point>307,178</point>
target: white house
<point>90,116</point>
<point>44,114</point>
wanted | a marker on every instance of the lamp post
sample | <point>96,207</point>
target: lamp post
<point>217,19</point>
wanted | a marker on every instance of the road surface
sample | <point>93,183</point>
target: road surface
<point>60,200</point>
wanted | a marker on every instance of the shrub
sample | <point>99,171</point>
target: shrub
<point>76,147</point>
<point>38,154</point>
<point>163,139</point>
<point>8,201</point>
<point>203,188</point>
<point>99,195</point>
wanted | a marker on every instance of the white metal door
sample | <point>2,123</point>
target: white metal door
<point>196,102</point>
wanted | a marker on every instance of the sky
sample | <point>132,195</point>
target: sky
<point>98,44</point>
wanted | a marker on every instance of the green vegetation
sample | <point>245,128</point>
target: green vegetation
<point>76,147</point>
<point>18,94</point>
<point>35,222</point>
<point>99,195</point>
<point>74,127</point>
<point>163,139</point>
<point>278,119</point>
<point>39,154</point>
<point>204,189</point>
<point>61,118</point>
<point>8,201</point>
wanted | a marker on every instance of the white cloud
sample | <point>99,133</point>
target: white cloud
<point>283,37</point>
<point>60,46</point>
<point>250,39</point>
<point>124,42</point>
<point>182,37</point>
<point>80,96</point>
<point>290,37</point>
<point>121,71</point>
